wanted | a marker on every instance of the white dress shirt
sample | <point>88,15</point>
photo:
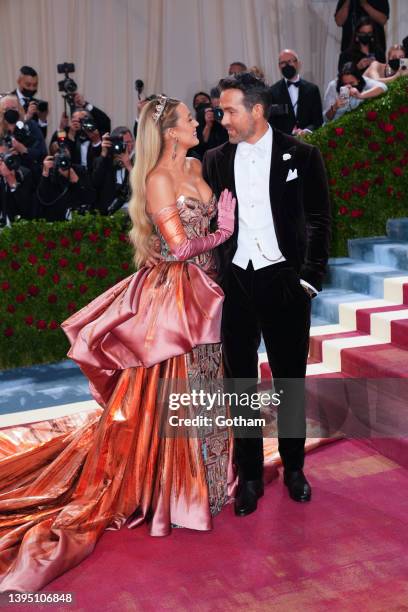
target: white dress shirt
<point>257,241</point>
<point>256,231</point>
<point>293,93</point>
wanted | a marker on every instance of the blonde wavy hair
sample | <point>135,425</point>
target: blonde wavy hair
<point>149,146</point>
<point>3,104</point>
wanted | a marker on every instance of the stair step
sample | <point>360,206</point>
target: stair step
<point>399,334</point>
<point>397,229</point>
<point>362,277</point>
<point>326,304</point>
<point>381,251</point>
<point>375,361</point>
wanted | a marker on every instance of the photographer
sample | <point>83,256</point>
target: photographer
<point>393,69</point>
<point>210,132</point>
<point>348,92</point>
<point>64,186</point>
<point>110,175</point>
<point>25,137</point>
<point>15,187</point>
<point>37,110</point>
<point>364,48</point>
<point>83,139</point>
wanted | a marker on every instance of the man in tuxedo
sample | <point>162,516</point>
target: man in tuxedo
<point>270,267</point>
<point>302,98</point>
<point>27,85</point>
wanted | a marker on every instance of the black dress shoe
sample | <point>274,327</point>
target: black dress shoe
<point>299,489</point>
<point>248,493</point>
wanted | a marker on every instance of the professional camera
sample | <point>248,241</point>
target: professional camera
<point>118,146</point>
<point>87,123</point>
<point>67,86</point>
<point>62,158</point>
<point>139,86</point>
<point>42,105</point>
<point>23,134</point>
<point>10,160</point>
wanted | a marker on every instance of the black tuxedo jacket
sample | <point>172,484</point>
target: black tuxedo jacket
<point>309,107</point>
<point>300,207</point>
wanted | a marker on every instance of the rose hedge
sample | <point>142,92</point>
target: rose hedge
<point>47,272</point>
<point>366,156</point>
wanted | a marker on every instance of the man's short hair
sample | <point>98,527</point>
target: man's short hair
<point>254,90</point>
<point>215,92</point>
<point>240,64</point>
<point>28,71</point>
<point>120,131</point>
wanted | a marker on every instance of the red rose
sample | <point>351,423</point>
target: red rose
<point>332,144</point>
<point>50,244</point>
<point>80,266</point>
<point>29,320</point>
<point>346,195</point>
<point>78,235</point>
<point>379,180</point>
<point>358,165</point>
<point>41,324</point>
<point>403,109</point>
<point>91,272</point>
<point>64,242</point>
<point>15,265</point>
<point>32,258</point>
<point>11,308</point>
<point>394,116</point>
<point>332,182</point>
<point>400,135</point>
<point>47,255</point>
<point>124,238</point>
<point>70,285</point>
<point>63,262</point>
<point>8,332</point>
<point>71,306</point>
<point>125,265</point>
<point>41,270</point>
<point>83,288</point>
<point>107,232</point>
<point>367,132</point>
<point>398,171</point>
<point>371,115</point>
<point>388,127</point>
<point>76,250</point>
<point>20,298</point>
<point>53,324</point>
<point>93,237</point>
<point>373,146</point>
<point>380,158</point>
<point>357,212</point>
<point>15,248</point>
<point>99,250</point>
<point>3,254</point>
<point>391,156</point>
<point>343,210</point>
<point>56,279</point>
<point>345,171</point>
<point>5,285</point>
<point>102,272</point>
<point>390,140</point>
<point>27,244</point>
<point>339,131</point>
<point>40,237</point>
<point>399,195</point>
<point>403,161</point>
<point>52,298</point>
<point>33,290</point>
<point>390,191</point>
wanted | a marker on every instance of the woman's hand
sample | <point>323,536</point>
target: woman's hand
<point>226,212</point>
<point>355,93</point>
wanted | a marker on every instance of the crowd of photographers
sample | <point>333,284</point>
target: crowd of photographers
<point>86,166</point>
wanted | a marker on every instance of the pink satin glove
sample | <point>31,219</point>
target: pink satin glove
<point>226,212</point>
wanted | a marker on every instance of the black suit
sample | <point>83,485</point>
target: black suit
<point>104,181</point>
<point>270,301</point>
<point>309,108</point>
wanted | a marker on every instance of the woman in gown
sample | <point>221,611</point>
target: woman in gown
<point>155,332</point>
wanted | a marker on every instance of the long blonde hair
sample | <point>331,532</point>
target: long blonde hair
<point>4,99</point>
<point>149,146</point>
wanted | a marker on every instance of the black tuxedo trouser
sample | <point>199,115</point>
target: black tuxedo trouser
<point>269,301</point>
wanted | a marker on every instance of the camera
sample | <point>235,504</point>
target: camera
<point>139,86</point>
<point>22,133</point>
<point>118,146</point>
<point>404,63</point>
<point>218,113</point>
<point>42,105</point>
<point>10,160</point>
<point>62,159</point>
<point>67,86</point>
<point>87,123</point>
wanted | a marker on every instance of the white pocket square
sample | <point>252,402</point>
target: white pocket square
<point>292,174</point>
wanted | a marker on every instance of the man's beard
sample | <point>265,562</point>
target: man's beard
<point>242,135</point>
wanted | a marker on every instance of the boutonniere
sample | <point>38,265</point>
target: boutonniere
<point>286,156</point>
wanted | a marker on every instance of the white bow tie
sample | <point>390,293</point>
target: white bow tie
<point>245,148</point>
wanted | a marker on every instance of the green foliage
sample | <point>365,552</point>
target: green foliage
<point>366,156</point>
<point>47,272</point>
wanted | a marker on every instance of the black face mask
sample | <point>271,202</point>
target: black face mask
<point>365,39</point>
<point>11,116</point>
<point>394,64</point>
<point>288,71</point>
<point>28,93</point>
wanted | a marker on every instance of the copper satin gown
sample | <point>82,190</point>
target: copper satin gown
<point>57,498</point>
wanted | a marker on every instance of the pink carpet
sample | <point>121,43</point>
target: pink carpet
<point>346,550</point>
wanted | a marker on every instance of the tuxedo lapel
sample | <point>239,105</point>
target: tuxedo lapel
<point>288,101</point>
<point>279,169</point>
<point>227,168</point>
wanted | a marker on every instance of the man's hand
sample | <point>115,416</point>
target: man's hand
<point>73,177</point>
<point>106,144</point>
<point>31,111</point>
<point>48,163</point>
<point>209,117</point>
<point>79,100</point>
<point>74,128</point>
<point>18,147</point>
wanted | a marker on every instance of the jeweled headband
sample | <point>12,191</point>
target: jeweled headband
<point>160,106</point>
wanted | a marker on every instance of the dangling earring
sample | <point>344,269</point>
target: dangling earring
<point>175,145</point>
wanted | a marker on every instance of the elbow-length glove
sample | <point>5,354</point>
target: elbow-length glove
<point>170,226</point>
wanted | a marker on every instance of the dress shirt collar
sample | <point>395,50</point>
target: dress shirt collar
<point>294,80</point>
<point>261,147</point>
